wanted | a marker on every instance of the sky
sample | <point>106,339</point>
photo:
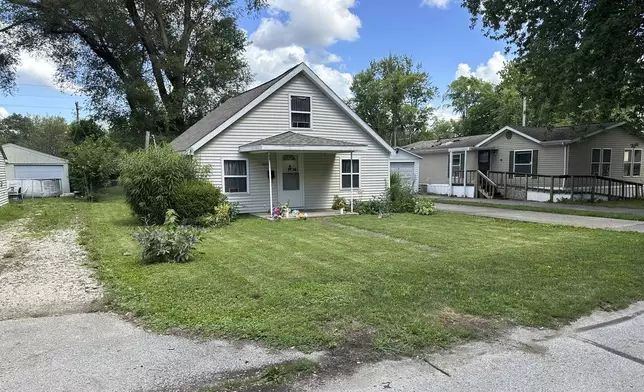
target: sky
<point>336,38</point>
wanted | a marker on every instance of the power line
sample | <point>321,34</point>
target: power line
<point>6,105</point>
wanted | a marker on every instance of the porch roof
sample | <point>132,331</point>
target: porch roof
<point>292,141</point>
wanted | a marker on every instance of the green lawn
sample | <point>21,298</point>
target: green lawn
<point>546,207</point>
<point>315,285</point>
<point>400,285</point>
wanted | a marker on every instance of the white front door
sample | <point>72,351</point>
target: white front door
<point>291,187</point>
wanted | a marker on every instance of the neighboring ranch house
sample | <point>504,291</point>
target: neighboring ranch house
<point>536,163</point>
<point>4,189</point>
<point>35,173</point>
<point>291,139</point>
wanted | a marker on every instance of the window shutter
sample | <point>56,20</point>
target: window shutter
<point>511,163</point>
<point>535,161</point>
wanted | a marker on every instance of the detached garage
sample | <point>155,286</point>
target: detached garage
<point>35,173</point>
<point>407,165</point>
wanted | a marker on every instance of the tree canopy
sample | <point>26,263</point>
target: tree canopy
<point>160,63</point>
<point>393,97</point>
<point>583,58</point>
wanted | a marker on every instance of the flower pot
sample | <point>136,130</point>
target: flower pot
<point>287,214</point>
<point>341,211</point>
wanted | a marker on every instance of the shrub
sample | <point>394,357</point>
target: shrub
<point>167,243</point>
<point>92,165</point>
<point>400,194</point>
<point>339,202</point>
<point>195,199</point>
<point>372,206</point>
<point>151,178</point>
<point>424,206</point>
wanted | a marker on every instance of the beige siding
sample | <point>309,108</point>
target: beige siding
<point>321,176</point>
<point>434,170</point>
<point>615,139</point>
<point>550,158</point>
<point>3,182</point>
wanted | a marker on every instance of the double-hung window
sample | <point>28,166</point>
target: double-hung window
<point>347,172</point>
<point>632,162</point>
<point>300,111</point>
<point>236,176</point>
<point>600,161</point>
<point>523,161</point>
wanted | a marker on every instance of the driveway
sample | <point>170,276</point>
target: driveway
<point>546,217</point>
<point>54,337</point>
<point>603,352</point>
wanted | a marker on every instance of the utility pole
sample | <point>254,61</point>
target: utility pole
<point>524,110</point>
<point>77,112</point>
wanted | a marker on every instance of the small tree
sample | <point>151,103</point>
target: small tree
<point>151,178</point>
<point>93,163</point>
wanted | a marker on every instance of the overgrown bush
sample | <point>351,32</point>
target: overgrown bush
<point>195,199</point>
<point>168,243</point>
<point>372,206</point>
<point>339,202</point>
<point>424,206</point>
<point>399,194</point>
<point>151,178</point>
<point>92,165</point>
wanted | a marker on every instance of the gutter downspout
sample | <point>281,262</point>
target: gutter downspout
<point>351,172</point>
<point>451,187</point>
<point>270,184</point>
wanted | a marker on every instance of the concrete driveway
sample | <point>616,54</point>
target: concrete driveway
<point>546,217</point>
<point>603,352</point>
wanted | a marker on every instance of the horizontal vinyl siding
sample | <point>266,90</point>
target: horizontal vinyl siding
<point>3,183</point>
<point>402,156</point>
<point>270,118</point>
<point>615,139</point>
<point>434,169</point>
<point>17,155</point>
<point>550,161</point>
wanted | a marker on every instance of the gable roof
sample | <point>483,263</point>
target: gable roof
<point>563,134</point>
<point>440,145</point>
<point>10,151</point>
<point>234,108</point>
<point>297,141</point>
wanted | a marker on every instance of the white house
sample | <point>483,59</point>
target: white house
<point>4,190</point>
<point>37,173</point>
<point>289,139</point>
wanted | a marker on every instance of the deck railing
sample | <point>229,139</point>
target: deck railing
<point>457,177</point>
<point>515,184</point>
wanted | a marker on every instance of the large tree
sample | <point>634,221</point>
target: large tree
<point>393,97</point>
<point>583,57</point>
<point>160,63</point>
<point>48,134</point>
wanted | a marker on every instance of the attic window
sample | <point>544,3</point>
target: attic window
<point>300,111</point>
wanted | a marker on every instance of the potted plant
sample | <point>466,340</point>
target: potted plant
<point>285,209</point>
<point>339,203</point>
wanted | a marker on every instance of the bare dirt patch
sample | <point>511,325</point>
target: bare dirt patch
<point>44,276</point>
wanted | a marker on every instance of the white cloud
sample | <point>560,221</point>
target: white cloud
<point>488,72</point>
<point>445,113</point>
<point>310,23</point>
<point>37,69</point>
<point>3,113</point>
<point>442,4</point>
<point>267,64</point>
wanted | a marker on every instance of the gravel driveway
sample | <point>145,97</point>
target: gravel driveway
<point>44,276</point>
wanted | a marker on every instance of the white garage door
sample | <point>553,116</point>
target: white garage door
<point>406,170</point>
<point>38,172</point>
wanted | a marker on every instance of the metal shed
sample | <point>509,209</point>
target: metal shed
<point>4,189</point>
<point>407,164</point>
<point>36,173</point>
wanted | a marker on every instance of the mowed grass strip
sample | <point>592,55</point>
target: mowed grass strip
<point>311,285</point>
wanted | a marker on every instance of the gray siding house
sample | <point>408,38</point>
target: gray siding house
<point>606,151</point>
<point>291,139</point>
<point>4,189</point>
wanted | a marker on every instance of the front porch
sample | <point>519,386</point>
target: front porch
<point>304,172</point>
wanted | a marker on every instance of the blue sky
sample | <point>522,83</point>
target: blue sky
<point>337,38</point>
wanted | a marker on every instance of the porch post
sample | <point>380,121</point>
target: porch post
<point>450,174</point>
<point>464,173</point>
<point>270,183</point>
<point>351,172</point>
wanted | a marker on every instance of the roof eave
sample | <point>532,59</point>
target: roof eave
<point>300,148</point>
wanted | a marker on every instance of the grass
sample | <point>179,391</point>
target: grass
<point>11,212</point>
<point>315,285</point>
<point>630,203</point>
<point>562,210</point>
<point>44,214</point>
<point>270,376</point>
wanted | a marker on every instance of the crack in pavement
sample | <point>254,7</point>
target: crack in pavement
<point>609,349</point>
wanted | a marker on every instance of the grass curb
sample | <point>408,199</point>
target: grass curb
<point>552,210</point>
